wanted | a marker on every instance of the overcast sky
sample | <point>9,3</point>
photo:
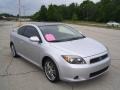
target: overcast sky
<point>28,7</point>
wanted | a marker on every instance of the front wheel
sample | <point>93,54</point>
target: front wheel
<point>51,71</point>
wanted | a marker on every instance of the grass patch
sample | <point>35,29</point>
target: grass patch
<point>95,24</point>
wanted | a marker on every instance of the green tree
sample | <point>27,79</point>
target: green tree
<point>72,10</point>
<point>105,10</point>
<point>63,10</point>
<point>117,14</point>
<point>43,13</point>
<point>35,17</point>
<point>6,15</point>
<point>53,14</point>
<point>102,11</point>
<point>87,10</point>
<point>74,17</point>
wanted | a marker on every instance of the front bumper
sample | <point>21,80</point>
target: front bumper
<point>76,73</point>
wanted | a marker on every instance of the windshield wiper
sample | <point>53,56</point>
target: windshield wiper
<point>75,38</point>
<point>62,40</point>
<point>56,41</point>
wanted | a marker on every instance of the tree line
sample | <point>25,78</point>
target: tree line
<point>102,11</point>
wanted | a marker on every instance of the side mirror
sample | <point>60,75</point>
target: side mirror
<point>34,39</point>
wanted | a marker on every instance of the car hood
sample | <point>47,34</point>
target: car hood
<point>83,47</point>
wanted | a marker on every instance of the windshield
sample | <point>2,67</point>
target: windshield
<point>60,33</point>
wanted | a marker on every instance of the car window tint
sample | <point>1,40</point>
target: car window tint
<point>21,30</point>
<point>30,31</point>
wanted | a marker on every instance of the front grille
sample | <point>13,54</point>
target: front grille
<point>94,60</point>
<point>98,72</point>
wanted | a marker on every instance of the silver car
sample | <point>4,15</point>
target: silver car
<point>62,52</point>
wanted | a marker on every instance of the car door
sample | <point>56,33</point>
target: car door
<point>19,40</point>
<point>32,50</point>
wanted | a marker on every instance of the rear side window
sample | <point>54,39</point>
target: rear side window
<point>21,30</point>
<point>30,31</point>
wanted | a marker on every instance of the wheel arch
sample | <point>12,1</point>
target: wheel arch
<point>44,59</point>
<point>48,57</point>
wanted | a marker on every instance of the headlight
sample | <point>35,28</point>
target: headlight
<point>74,59</point>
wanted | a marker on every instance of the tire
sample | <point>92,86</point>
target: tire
<point>13,50</point>
<point>51,71</point>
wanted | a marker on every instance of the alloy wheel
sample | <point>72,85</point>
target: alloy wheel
<point>50,70</point>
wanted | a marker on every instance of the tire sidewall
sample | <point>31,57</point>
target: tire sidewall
<point>57,73</point>
<point>13,50</point>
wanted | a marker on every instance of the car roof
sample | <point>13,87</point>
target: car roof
<point>44,23</point>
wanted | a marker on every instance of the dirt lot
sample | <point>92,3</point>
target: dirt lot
<point>18,74</point>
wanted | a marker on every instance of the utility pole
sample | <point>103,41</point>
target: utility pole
<point>19,12</point>
<point>24,12</point>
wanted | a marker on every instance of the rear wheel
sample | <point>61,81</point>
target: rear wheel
<point>13,51</point>
<point>51,71</point>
